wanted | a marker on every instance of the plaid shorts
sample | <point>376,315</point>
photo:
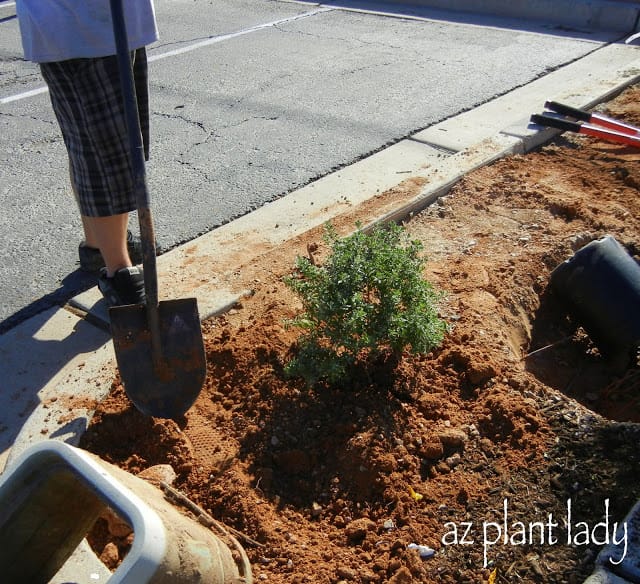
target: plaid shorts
<point>87,99</point>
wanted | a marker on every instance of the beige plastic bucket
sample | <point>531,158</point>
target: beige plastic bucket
<point>53,493</point>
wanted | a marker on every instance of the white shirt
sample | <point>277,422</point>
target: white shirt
<point>57,30</point>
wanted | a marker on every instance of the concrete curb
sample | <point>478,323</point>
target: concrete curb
<point>53,395</point>
<point>612,15</point>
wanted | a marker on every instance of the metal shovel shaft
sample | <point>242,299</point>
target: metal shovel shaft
<point>136,153</point>
<point>159,346</point>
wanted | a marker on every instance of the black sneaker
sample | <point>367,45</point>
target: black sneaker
<point>125,287</point>
<point>91,258</point>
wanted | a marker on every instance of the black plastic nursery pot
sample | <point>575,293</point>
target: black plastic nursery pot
<point>600,287</point>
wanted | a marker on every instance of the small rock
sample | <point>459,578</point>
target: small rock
<point>316,509</point>
<point>117,526</point>
<point>480,372</point>
<point>487,446</point>
<point>402,576</point>
<point>346,573</point>
<point>442,467</point>
<point>432,450</point>
<point>110,556</point>
<point>424,550</point>
<point>453,438</point>
<point>387,463</point>
<point>358,528</point>
<point>454,460</point>
<point>580,240</point>
<point>160,473</point>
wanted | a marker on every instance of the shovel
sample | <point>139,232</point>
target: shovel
<point>158,345</point>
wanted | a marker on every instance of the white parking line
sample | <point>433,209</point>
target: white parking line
<point>24,95</point>
<point>233,35</point>
<point>186,49</point>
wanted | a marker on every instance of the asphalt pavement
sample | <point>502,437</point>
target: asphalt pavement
<point>252,100</point>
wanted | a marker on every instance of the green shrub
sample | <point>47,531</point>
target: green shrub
<point>369,296</point>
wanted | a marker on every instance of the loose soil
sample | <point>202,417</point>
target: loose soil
<point>517,408</point>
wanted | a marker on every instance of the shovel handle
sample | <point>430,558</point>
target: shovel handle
<point>136,155</point>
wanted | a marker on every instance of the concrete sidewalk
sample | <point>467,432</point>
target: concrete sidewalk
<point>58,364</point>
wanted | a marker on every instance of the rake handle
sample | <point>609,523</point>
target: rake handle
<point>588,129</point>
<point>595,118</point>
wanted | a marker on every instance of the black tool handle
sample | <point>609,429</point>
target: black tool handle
<point>567,110</point>
<point>136,154</point>
<point>552,122</point>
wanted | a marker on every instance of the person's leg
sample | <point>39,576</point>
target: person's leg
<point>110,237</point>
<point>88,104</point>
<point>89,237</point>
<point>95,231</point>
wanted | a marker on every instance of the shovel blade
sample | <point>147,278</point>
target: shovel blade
<point>163,385</point>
